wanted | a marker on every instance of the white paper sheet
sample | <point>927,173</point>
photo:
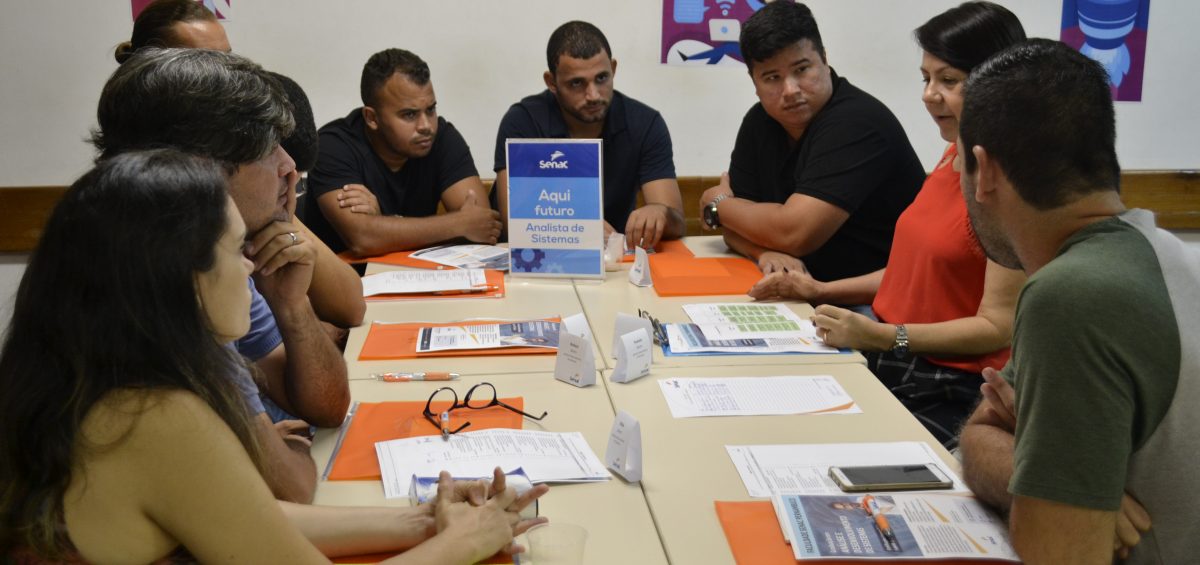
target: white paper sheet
<point>413,282</point>
<point>463,256</point>
<point>804,468</point>
<point>756,396</point>
<point>547,457</point>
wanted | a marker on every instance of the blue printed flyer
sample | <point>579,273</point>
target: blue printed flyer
<point>555,208</point>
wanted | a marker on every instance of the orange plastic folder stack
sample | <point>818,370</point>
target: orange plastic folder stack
<point>495,283</point>
<point>677,272</point>
<point>752,530</point>
<point>399,341</point>
<point>374,422</point>
<point>399,258</point>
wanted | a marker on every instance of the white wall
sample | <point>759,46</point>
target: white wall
<point>485,55</point>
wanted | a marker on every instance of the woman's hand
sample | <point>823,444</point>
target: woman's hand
<point>840,327</point>
<point>488,527</point>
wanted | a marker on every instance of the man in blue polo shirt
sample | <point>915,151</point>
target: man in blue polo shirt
<point>579,102</point>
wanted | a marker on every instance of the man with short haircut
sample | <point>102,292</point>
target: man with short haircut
<point>383,169</point>
<point>1106,346</point>
<point>227,108</point>
<point>820,170</point>
<point>580,102</point>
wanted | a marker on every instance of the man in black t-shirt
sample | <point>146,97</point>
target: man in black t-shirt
<point>383,169</point>
<point>580,103</point>
<point>820,170</point>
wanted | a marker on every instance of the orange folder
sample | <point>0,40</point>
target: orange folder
<point>495,280</point>
<point>677,275</point>
<point>382,421</point>
<point>752,530</point>
<point>399,258</point>
<point>399,341</point>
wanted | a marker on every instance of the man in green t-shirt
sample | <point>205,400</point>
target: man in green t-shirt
<point>1094,454</point>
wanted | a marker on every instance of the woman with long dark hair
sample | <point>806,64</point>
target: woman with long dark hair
<point>122,438</point>
<point>945,312</point>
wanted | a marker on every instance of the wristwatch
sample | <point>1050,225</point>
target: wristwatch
<point>710,217</point>
<point>900,346</point>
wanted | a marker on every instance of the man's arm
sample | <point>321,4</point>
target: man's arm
<point>336,290</point>
<point>289,470</point>
<point>1044,531</point>
<point>797,227</point>
<point>986,445</point>
<point>367,234</point>
<point>305,375</point>
<point>500,187</point>
<point>661,217</point>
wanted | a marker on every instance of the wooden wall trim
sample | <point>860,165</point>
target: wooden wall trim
<point>1174,196</point>
<point>23,213</point>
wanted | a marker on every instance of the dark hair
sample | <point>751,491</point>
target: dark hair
<point>576,39</point>
<point>1044,113</point>
<point>218,105</point>
<point>382,65</point>
<point>152,28</point>
<point>776,26</point>
<point>108,302</point>
<point>966,35</point>
<point>301,145</point>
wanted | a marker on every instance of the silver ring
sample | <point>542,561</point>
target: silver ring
<point>293,234</point>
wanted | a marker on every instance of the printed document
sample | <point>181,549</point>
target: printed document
<point>756,396</point>
<point>414,282</point>
<point>532,333</point>
<point>804,468</point>
<point>892,527</point>
<point>466,256</point>
<point>547,457</point>
<point>691,339</point>
<point>736,320</point>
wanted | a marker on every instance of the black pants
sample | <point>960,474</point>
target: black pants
<point>941,398</point>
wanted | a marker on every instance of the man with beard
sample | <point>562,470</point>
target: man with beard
<point>1099,437</point>
<point>580,102</point>
<point>383,169</point>
<point>227,108</point>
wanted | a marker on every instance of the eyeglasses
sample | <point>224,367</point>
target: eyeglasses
<point>660,329</point>
<point>479,397</point>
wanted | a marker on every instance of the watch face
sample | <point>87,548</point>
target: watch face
<point>710,216</point>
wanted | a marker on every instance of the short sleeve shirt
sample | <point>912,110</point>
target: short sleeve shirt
<point>854,154</point>
<point>1095,362</point>
<point>264,335</point>
<point>637,146</point>
<point>239,373</point>
<point>346,157</point>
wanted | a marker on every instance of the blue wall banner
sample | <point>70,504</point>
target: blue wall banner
<point>555,208</point>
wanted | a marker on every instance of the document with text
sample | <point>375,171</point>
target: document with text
<point>751,320</point>
<point>892,527</point>
<point>466,256</point>
<point>424,281</point>
<point>546,457</point>
<point>756,396</point>
<point>531,333</point>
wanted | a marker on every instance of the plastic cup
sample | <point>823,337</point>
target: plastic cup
<point>557,544</point>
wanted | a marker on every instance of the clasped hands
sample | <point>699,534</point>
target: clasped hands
<point>483,512</point>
